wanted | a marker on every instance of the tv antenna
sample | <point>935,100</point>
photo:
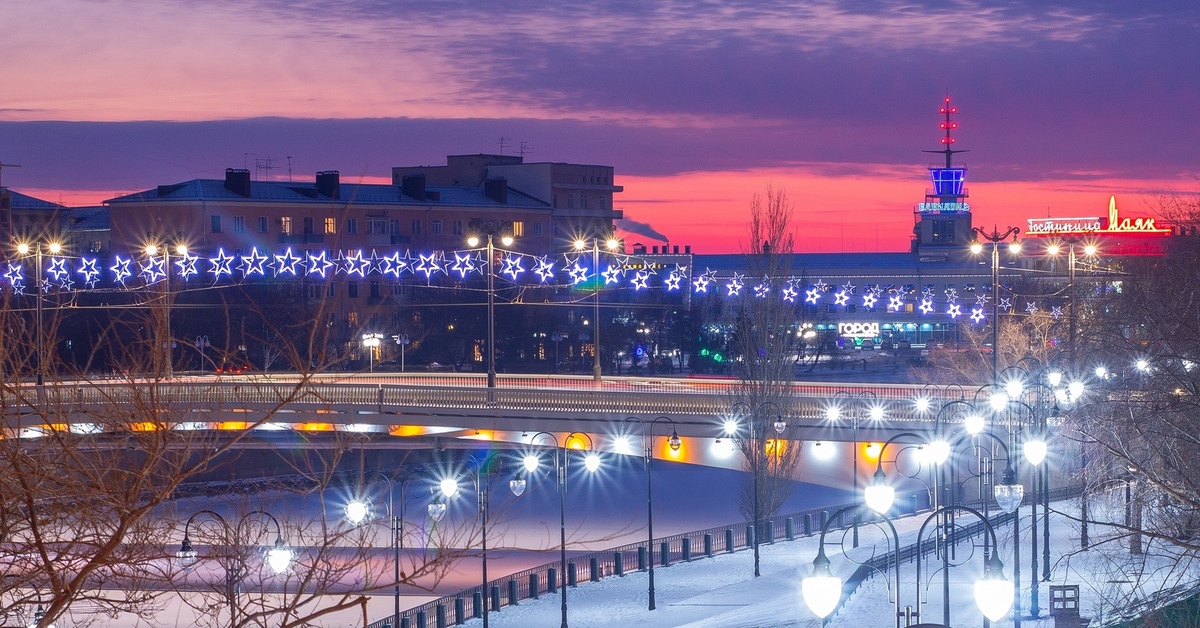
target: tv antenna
<point>289,158</point>
<point>3,166</point>
<point>264,165</point>
<point>503,142</point>
<point>525,149</point>
<point>949,126</point>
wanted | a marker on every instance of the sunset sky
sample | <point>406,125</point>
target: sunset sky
<point>697,104</point>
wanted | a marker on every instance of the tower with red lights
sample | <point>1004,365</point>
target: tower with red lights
<point>943,221</point>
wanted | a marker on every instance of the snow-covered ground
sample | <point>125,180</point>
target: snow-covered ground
<point>722,592</point>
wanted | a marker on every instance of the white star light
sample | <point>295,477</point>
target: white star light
<point>463,264</point>
<point>870,299</point>
<point>393,265</point>
<point>1031,307</point>
<point>356,264</point>
<point>1056,312</point>
<point>895,302</point>
<point>220,265</point>
<point>14,273</point>
<point>153,269</point>
<point>544,270</point>
<point>821,286</point>
<point>512,266</point>
<point>951,294</point>
<point>841,297</point>
<point>640,279</point>
<point>700,284</point>
<point>252,264</point>
<point>58,268</point>
<point>673,280</point>
<point>927,293</point>
<point>762,289</point>
<point>926,306</point>
<point>66,284</point>
<point>46,286</point>
<point>955,310</point>
<point>849,288</point>
<point>186,265</point>
<point>87,268</point>
<point>121,269</point>
<point>578,272</point>
<point>977,314</point>
<point>428,265</point>
<point>286,263</point>
<point>613,274</point>
<point>981,299</point>
<point>1005,304</point>
<point>318,264</point>
<point>735,285</point>
<point>789,294</point>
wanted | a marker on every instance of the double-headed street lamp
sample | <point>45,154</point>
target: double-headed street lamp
<point>54,248</point>
<point>674,442</point>
<point>754,449</point>
<point>834,413</point>
<point>480,470</point>
<point>279,557</point>
<point>612,244</point>
<point>591,462</point>
<point>358,510</point>
<point>996,238</point>
<point>371,343</point>
<point>152,251</point>
<point>490,228</point>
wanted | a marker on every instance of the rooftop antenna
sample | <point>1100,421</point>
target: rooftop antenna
<point>246,160</point>
<point>3,166</point>
<point>503,142</point>
<point>525,149</point>
<point>949,126</point>
<point>264,165</point>
<point>289,158</point>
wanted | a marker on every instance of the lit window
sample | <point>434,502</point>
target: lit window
<point>285,225</point>
<point>330,226</point>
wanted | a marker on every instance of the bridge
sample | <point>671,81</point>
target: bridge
<point>416,410</point>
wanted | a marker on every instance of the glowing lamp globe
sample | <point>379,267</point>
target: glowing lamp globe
<point>356,511</point>
<point>437,510</point>
<point>1008,496</point>
<point>530,463</point>
<point>674,442</point>
<point>822,590</point>
<point>1035,451</point>
<point>878,495</point>
<point>449,487</point>
<point>994,593</point>
<point>279,557</point>
<point>780,425</point>
<point>1054,377</point>
<point>506,240</point>
<point>939,452</point>
<point>1076,390</point>
<point>998,401</point>
<point>833,413</point>
<point>974,424</point>
<point>517,486</point>
<point>731,427</point>
<point>591,462</point>
<point>1014,388</point>
<point>186,556</point>
<point>823,451</point>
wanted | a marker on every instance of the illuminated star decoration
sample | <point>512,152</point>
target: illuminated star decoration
<point>19,287</point>
<point>1031,307</point>
<point>13,274</point>
<point>821,285</point>
<point>318,264</point>
<point>393,265</point>
<point>428,265</point>
<point>286,263</point>
<point>672,281</point>
<point>544,270</point>
<point>701,283</point>
<point>121,269</point>
<point>951,294</point>
<point>46,286</point>
<point>869,299</point>
<point>895,302</point>
<point>927,293</point>
<point>762,289</point>
<point>87,268</point>
<point>58,268</point>
<point>955,310</point>
<point>578,272</point>
<point>926,305</point>
<point>186,265</point>
<point>849,288</point>
<point>512,266</point>
<point>639,280</point>
<point>252,264</point>
<point>789,294</point>
<point>463,264</point>
<point>813,295</point>
<point>613,274</point>
<point>735,285</point>
<point>356,264</point>
<point>153,269</point>
<point>1005,304</point>
<point>981,299</point>
<point>1056,312</point>
<point>221,265</point>
<point>66,284</point>
<point>841,297</point>
<point>977,314</point>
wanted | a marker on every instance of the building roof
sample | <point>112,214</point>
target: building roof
<point>94,218</point>
<point>349,193</point>
<point>25,201</point>
<point>858,264</point>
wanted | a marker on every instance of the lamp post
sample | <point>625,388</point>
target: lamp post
<point>371,342</point>
<point>822,591</point>
<point>674,443</point>
<point>996,238</point>
<point>54,248</point>
<point>358,510</point>
<point>591,462</point>
<point>201,345</point>
<point>612,244</point>
<point>491,228</point>
<point>279,557</point>
<point>834,413</point>
<point>754,451</point>
<point>557,337</point>
<point>403,341</point>
<point>481,468</point>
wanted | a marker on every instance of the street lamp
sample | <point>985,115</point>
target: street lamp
<point>754,452</point>
<point>152,250</point>
<point>612,244</point>
<point>54,248</point>
<point>279,557</point>
<point>480,469</point>
<point>358,510</point>
<point>674,442</point>
<point>371,343</point>
<point>591,462</point>
<point>834,413</point>
<point>996,238</point>
<point>491,228</point>
<point>403,341</point>
<point>822,591</point>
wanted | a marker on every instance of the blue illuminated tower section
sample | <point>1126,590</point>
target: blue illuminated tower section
<point>944,219</point>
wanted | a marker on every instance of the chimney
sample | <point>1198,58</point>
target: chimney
<point>654,249</point>
<point>413,186</point>
<point>237,180</point>
<point>687,249</point>
<point>677,249</point>
<point>329,184</point>
<point>496,189</point>
<point>639,248</point>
